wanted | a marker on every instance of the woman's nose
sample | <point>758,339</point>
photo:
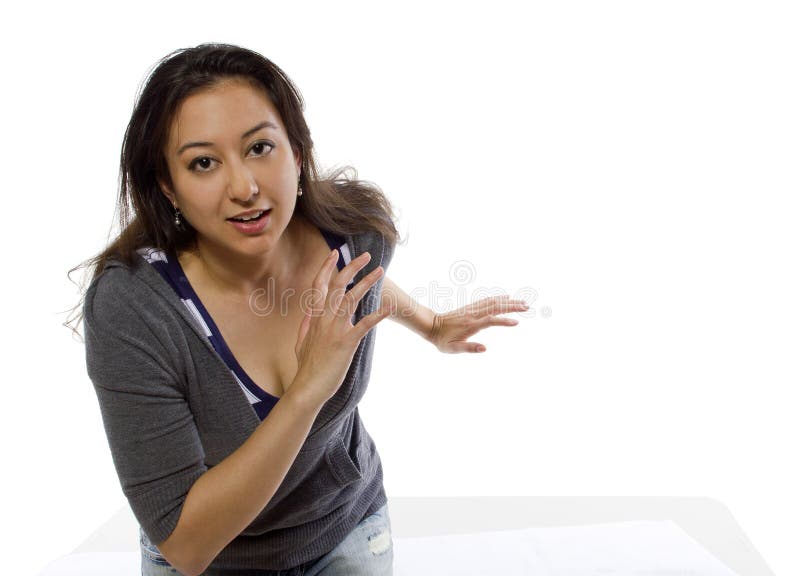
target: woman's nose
<point>242,185</point>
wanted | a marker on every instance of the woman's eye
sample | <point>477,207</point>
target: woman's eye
<point>261,148</point>
<point>201,164</point>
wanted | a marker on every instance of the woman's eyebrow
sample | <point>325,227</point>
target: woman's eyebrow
<point>253,130</point>
<point>257,127</point>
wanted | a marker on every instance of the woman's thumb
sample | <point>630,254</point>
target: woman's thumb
<point>301,335</point>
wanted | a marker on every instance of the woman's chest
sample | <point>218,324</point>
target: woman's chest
<point>261,332</point>
<point>264,347</point>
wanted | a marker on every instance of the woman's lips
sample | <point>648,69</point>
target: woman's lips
<point>254,226</point>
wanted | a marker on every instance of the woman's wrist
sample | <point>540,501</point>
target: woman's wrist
<point>435,325</point>
<point>303,398</point>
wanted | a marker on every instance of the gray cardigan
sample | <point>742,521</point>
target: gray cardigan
<point>172,409</point>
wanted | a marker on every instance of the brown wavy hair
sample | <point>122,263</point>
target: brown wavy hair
<point>336,201</point>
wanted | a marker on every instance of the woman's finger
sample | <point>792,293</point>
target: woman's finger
<point>349,272</point>
<point>301,335</point>
<point>322,279</point>
<point>368,322</point>
<point>344,277</point>
<point>497,305</point>
<point>319,286</point>
<point>349,301</point>
<point>498,321</point>
<point>455,347</point>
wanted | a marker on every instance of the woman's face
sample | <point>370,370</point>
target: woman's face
<point>228,154</point>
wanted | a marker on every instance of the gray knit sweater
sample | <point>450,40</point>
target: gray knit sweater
<point>172,409</point>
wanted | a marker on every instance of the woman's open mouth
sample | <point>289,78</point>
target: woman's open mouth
<point>252,224</point>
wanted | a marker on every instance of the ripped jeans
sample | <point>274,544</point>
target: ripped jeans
<point>367,551</point>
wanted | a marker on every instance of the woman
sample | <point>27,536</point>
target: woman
<point>229,330</point>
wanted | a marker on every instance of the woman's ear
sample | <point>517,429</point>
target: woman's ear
<point>166,190</point>
<point>298,159</point>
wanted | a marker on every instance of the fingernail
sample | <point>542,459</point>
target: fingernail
<point>481,348</point>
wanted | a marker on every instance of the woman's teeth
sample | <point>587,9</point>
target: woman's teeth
<point>252,217</point>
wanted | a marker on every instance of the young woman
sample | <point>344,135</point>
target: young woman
<point>229,330</point>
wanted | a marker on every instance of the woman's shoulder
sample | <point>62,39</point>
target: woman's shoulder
<point>115,275</point>
<point>380,248</point>
<point>120,288</point>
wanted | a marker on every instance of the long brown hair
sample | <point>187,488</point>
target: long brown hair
<point>336,201</point>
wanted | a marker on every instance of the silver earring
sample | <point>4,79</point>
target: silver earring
<point>177,220</point>
<point>299,189</point>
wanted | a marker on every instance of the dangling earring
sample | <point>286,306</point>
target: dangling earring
<point>177,220</point>
<point>299,188</point>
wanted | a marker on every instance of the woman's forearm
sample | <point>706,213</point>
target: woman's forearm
<point>406,310</point>
<point>229,496</point>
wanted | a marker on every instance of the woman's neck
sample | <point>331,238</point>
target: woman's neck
<point>238,278</point>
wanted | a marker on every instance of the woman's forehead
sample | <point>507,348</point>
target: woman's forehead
<point>225,110</point>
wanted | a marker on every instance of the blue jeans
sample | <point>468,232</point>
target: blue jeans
<point>367,551</point>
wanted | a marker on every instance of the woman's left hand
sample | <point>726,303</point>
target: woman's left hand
<point>450,331</point>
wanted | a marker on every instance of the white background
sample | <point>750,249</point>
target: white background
<point>633,163</point>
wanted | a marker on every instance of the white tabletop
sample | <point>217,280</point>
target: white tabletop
<point>708,521</point>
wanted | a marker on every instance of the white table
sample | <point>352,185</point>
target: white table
<point>706,520</point>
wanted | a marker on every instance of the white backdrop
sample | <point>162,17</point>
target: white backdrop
<point>630,167</point>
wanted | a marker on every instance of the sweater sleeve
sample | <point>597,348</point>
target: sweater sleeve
<point>133,362</point>
<point>381,252</point>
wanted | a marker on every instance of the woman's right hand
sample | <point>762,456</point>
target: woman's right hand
<point>327,339</point>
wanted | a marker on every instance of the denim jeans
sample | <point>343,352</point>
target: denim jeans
<point>367,551</point>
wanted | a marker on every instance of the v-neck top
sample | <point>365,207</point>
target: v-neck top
<point>172,410</point>
<point>170,269</point>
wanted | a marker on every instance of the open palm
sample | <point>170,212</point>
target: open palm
<point>451,330</point>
